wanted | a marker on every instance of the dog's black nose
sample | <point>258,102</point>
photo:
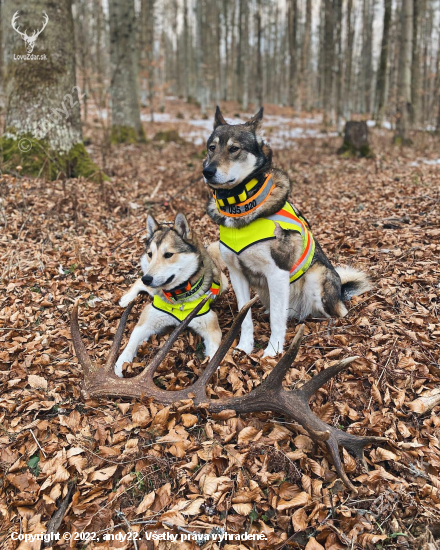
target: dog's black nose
<point>147,279</point>
<point>209,172</point>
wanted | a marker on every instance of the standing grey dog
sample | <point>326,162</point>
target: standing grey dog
<point>264,240</point>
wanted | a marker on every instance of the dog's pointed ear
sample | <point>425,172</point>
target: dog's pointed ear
<point>255,121</point>
<point>181,226</point>
<point>152,226</point>
<point>219,119</point>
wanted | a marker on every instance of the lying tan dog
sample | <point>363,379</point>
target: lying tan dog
<point>179,273</point>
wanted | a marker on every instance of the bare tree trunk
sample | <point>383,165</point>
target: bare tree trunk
<point>436,93</point>
<point>226,25</point>
<point>404,80</point>
<point>339,107</point>
<point>1,58</point>
<point>292,16</point>
<point>148,15</point>
<point>126,120</point>
<point>42,133</point>
<point>419,7</point>
<point>186,47</point>
<point>382,74</point>
<point>328,61</point>
<point>245,62</point>
<point>305,59</point>
<point>259,82</point>
<point>350,30</point>
<point>367,52</point>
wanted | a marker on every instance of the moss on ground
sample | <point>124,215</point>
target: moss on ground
<point>127,134</point>
<point>399,141</point>
<point>37,159</point>
<point>349,151</point>
<point>168,135</point>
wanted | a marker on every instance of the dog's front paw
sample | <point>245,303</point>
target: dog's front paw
<point>245,345</point>
<point>273,348</point>
<point>126,299</point>
<point>118,367</point>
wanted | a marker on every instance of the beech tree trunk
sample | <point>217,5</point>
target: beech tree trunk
<point>328,61</point>
<point>419,7</point>
<point>350,30</point>
<point>126,120</point>
<point>1,58</point>
<point>39,90</point>
<point>404,79</point>
<point>292,15</point>
<point>382,73</point>
<point>305,59</point>
<point>259,82</point>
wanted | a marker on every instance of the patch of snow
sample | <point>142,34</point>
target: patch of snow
<point>431,162</point>
<point>385,124</point>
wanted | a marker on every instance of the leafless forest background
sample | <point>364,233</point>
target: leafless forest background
<point>343,57</point>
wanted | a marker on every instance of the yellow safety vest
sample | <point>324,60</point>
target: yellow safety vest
<point>262,229</point>
<point>181,310</point>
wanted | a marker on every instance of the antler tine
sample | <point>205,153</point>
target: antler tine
<point>324,376</point>
<point>114,350</point>
<point>333,449</point>
<point>78,344</point>
<point>275,378</point>
<point>356,444</point>
<point>150,369</point>
<point>226,344</point>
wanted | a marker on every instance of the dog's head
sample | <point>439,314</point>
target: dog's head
<point>171,256</point>
<point>235,152</point>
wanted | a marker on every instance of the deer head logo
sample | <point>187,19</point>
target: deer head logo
<point>29,40</point>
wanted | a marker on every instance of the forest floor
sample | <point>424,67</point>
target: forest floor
<point>137,464</point>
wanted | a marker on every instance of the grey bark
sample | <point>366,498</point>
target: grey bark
<point>124,72</point>
<point>350,31</point>
<point>382,74</point>
<point>292,15</point>
<point>404,78</point>
<point>328,61</point>
<point>305,58</point>
<point>259,82</point>
<point>339,107</point>
<point>1,58</point>
<point>419,7</point>
<point>37,91</point>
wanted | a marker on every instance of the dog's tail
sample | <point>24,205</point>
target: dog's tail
<point>353,282</point>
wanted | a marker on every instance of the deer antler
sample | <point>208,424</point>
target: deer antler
<point>45,20</point>
<point>268,396</point>
<point>16,29</point>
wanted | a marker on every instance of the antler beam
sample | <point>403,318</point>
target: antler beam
<point>268,396</point>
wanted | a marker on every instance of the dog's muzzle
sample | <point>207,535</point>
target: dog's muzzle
<point>147,280</point>
<point>209,172</point>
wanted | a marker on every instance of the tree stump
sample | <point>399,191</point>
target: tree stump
<point>356,140</point>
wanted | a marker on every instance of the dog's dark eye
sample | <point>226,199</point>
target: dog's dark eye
<point>149,254</point>
<point>168,255</point>
<point>212,147</point>
<point>233,149</point>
